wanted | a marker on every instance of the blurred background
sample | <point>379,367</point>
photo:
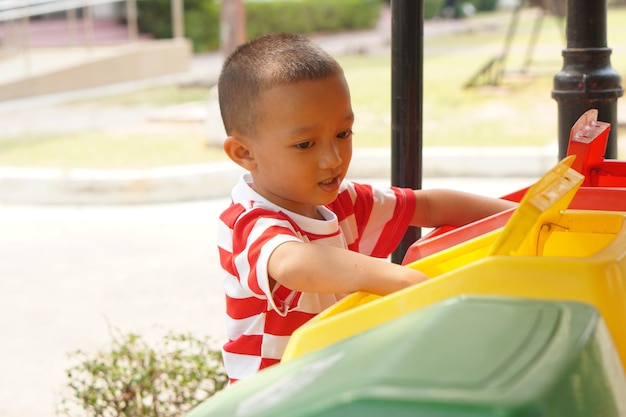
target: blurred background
<point>109,106</point>
<point>128,84</point>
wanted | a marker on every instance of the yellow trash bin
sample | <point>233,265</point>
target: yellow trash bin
<point>543,252</point>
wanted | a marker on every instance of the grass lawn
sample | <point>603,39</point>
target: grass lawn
<point>518,112</point>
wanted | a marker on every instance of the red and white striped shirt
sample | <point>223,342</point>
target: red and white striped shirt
<point>261,319</point>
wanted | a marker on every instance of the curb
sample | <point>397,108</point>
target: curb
<point>40,186</point>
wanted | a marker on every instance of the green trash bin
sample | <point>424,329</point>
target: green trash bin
<point>467,356</point>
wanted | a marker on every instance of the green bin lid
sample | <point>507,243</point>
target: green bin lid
<point>467,356</point>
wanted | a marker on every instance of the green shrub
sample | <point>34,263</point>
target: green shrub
<point>482,5</point>
<point>310,16</point>
<point>304,16</point>
<point>201,20</point>
<point>433,8</point>
<point>134,379</point>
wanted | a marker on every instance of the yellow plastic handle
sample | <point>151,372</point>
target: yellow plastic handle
<point>542,203</point>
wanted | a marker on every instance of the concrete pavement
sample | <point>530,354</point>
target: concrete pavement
<point>68,273</point>
<point>193,182</point>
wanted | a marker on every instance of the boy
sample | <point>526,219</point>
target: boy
<point>297,237</point>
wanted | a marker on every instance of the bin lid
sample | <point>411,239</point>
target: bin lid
<point>487,354</point>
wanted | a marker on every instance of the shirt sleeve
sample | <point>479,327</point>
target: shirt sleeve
<point>256,235</point>
<point>374,219</point>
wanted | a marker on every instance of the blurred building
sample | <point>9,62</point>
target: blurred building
<point>50,46</point>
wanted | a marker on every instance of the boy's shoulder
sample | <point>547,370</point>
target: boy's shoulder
<point>252,210</point>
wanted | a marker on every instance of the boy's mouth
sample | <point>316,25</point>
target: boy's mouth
<point>330,183</point>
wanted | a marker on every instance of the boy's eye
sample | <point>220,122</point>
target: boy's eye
<point>345,135</point>
<point>304,145</point>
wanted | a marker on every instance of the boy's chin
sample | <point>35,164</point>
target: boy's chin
<point>329,200</point>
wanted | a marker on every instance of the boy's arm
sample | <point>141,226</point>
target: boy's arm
<point>326,269</point>
<point>434,208</point>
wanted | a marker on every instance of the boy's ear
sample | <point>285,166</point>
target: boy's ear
<point>237,149</point>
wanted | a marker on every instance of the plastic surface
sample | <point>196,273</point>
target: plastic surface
<point>603,188</point>
<point>543,252</point>
<point>587,198</point>
<point>588,139</point>
<point>462,357</point>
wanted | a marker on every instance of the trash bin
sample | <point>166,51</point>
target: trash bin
<point>603,188</point>
<point>467,356</point>
<point>545,251</point>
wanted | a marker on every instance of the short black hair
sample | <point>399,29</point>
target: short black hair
<point>262,63</point>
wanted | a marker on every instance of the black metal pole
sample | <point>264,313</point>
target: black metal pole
<point>587,80</point>
<point>407,46</point>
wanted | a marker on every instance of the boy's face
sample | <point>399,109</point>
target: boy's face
<point>303,145</point>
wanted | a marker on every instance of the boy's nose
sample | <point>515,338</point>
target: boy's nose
<point>330,158</point>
